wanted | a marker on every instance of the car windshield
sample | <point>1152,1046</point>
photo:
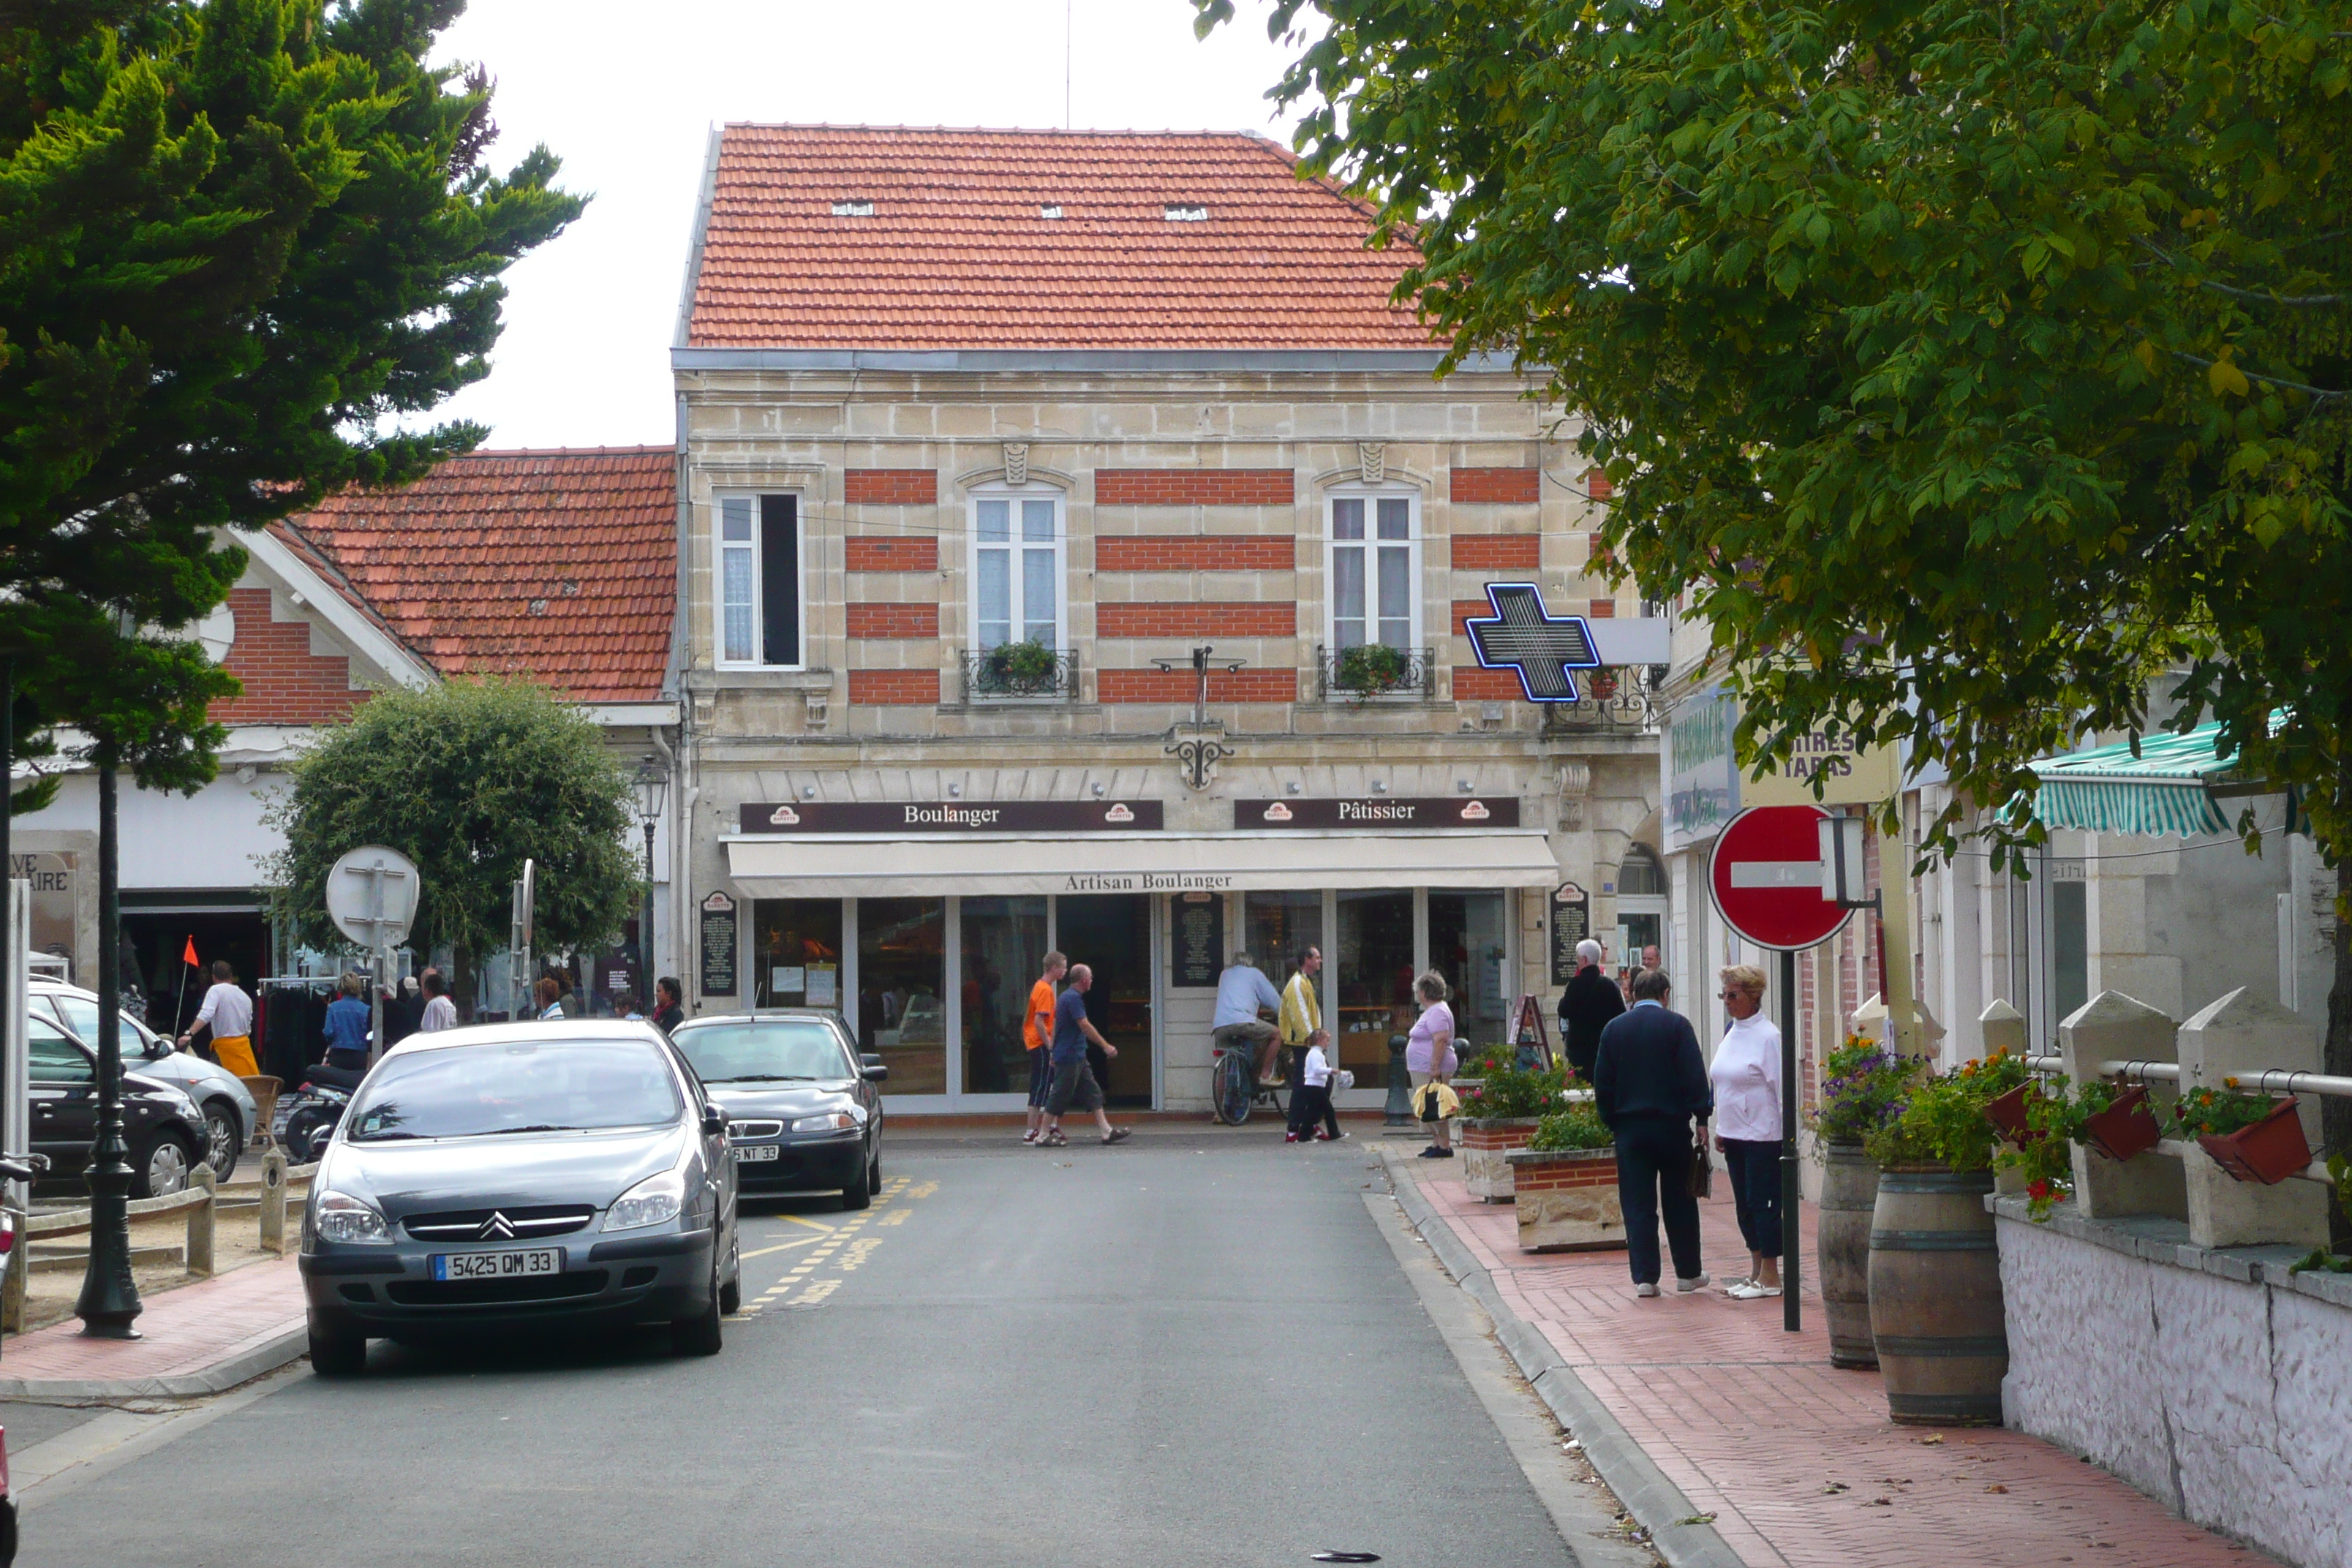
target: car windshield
<point>80,1013</point>
<point>472,1091</point>
<point>779,1049</point>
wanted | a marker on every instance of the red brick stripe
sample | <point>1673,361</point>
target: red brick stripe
<point>890,486</point>
<point>1238,620</point>
<point>1496,551</point>
<point>1195,487</point>
<point>1556,1178</point>
<point>284,682</point>
<point>1176,686</point>
<point>876,622</point>
<point>1474,683</point>
<point>1196,553</point>
<point>1465,609</point>
<point>890,553</point>
<point>1495,486</point>
<point>1601,610</point>
<point>894,688</point>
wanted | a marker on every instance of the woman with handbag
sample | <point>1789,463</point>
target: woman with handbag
<point>1429,1058</point>
<point>1649,1085</point>
<point>1746,1076</point>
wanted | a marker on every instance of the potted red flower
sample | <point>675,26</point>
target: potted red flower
<point>2252,1136</point>
<point>2124,1127</point>
<point>2007,1113</point>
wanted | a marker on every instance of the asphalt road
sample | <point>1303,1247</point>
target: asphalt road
<point>1194,1348</point>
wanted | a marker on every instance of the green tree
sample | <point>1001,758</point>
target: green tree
<point>1975,371</point>
<point>241,243</point>
<point>468,779</point>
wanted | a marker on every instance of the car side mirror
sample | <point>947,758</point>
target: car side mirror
<point>872,1068</point>
<point>714,1121</point>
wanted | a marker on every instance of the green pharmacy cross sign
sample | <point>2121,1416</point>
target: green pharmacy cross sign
<point>1523,635</point>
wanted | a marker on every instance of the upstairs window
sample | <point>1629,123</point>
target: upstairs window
<point>759,573</point>
<point>1016,570</point>
<point>1375,572</point>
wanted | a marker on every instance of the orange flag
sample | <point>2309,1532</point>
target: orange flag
<point>189,957</point>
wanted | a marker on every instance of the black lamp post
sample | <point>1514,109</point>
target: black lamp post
<point>653,789</point>
<point>110,1298</point>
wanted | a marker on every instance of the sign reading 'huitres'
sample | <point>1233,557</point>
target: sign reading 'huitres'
<point>953,816</point>
<point>1376,814</point>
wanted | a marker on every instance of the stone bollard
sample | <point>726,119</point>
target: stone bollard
<point>2244,1032</point>
<point>273,1202</point>
<point>1400,1105</point>
<point>2112,1027</point>
<point>200,1221</point>
<point>2002,1027</point>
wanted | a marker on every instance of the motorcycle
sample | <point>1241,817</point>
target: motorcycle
<point>307,1119</point>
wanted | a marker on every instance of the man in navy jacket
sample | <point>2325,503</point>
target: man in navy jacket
<point>1649,1083</point>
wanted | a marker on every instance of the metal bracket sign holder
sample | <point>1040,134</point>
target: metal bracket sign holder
<point>371,893</point>
<point>1199,746</point>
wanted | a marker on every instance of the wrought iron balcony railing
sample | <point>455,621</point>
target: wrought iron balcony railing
<point>1371,671</point>
<point>1020,672</point>
<point>1616,697</point>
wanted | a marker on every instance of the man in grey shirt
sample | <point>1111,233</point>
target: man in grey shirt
<point>1241,990</point>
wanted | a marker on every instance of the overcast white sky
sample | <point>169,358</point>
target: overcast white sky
<point>625,94</point>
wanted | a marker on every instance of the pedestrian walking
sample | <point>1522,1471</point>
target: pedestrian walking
<point>567,998</point>
<point>1589,1005</point>
<point>1242,991</point>
<point>1746,1076</point>
<point>347,1025</point>
<point>1429,1056</point>
<point>1037,1035</point>
<point>440,1013</point>
<point>547,998</point>
<point>1310,1102</point>
<point>1648,1084</point>
<point>1074,1081</point>
<point>1301,1012</point>
<point>669,1004</point>
<point>227,1012</point>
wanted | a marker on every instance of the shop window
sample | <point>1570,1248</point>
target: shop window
<point>1004,951</point>
<point>1375,572</point>
<point>757,569</point>
<point>1466,937</point>
<point>1371,990</point>
<point>2070,949</point>
<point>1111,933</point>
<point>797,952</point>
<point>1640,876</point>
<point>1278,926</point>
<point>1016,570</point>
<point>902,1006</point>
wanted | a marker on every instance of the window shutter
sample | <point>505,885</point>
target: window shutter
<point>780,585</point>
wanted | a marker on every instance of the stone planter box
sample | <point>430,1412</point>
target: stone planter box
<point>1567,1200</point>
<point>1483,1142</point>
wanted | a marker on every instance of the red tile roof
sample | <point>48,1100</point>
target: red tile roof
<point>559,564</point>
<point>956,256</point>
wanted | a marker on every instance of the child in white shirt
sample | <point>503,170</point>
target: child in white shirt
<point>1311,1101</point>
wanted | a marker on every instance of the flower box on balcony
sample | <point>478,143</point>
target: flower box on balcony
<point>2268,1153</point>
<point>2125,1130</point>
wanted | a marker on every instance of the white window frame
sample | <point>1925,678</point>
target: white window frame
<point>1015,494</point>
<point>718,549</point>
<point>1417,586</point>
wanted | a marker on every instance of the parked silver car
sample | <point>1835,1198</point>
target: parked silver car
<point>228,1106</point>
<point>527,1174</point>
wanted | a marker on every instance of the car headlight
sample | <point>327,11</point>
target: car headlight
<point>650,1202</point>
<point>344,1219</point>
<point>831,1122</point>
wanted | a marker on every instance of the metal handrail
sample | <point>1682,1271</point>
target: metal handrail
<point>2262,1080</point>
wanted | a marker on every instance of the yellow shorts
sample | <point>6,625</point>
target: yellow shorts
<point>234,1052</point>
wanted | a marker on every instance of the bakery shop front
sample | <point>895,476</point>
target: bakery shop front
<point>924,923</point>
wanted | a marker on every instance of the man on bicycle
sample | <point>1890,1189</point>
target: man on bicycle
<point>1242,991</point>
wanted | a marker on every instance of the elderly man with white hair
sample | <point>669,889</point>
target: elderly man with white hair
<point>1591,1000</point>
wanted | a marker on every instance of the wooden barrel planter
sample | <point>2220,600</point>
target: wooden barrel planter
<point>1484,1141</point>
<point>1934,1297</point>
<point>1849,1192</point>
<point>1567,1199</point>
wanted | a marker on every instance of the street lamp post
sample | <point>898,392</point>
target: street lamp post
<point>653,789</point>
<point>110,1298</point>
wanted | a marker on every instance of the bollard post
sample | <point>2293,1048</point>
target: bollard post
<point>199,1222</point>
<point>273,1202</point>
<point>1400,1105</point>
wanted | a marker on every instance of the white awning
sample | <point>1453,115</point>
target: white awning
<point>785,867</point>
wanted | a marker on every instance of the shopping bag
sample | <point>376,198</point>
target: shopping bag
<point>1702,1167</point>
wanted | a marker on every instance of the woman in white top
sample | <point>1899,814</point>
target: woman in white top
<point>1429,1053</point>
<point>1746,1079</point>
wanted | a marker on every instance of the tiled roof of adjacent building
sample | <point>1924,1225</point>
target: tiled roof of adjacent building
<point>562,565</point>
<point>823,236</point>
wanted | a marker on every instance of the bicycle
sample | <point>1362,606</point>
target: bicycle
<point>1233,1087</point>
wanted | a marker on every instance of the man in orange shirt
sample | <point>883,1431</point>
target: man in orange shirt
<point>1037,1034</point>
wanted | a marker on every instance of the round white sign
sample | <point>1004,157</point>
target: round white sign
<point>371,895</point>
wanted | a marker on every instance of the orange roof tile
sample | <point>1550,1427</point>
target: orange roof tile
<point>956,256</point>
<point>559,564</point>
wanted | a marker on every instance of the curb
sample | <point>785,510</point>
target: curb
<point>1654,1501</point>
<point>282,1350</point>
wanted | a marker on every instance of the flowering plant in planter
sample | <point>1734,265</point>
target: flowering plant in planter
<point>2040,1150</point>
<point>2219,1111</point>
<point>2115,1119</point>
<point>1861,1089</point>
<point>1571,1128</point>
<point>1943,1121</point>
<point>2254,1137</point>
<point>1506,1089</point>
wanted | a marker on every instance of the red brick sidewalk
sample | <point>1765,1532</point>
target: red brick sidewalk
<point>198,1339</point>
<point>1796,1459</point>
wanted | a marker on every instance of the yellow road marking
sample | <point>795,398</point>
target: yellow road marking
<point>813,1225</point>
<point>782,1246</point>
<point>897,1217</point>
<point>925,1190</point>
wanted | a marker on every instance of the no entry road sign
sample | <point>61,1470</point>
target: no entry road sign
<point>1766,874</point>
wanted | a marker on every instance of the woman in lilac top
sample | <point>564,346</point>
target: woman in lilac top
<point>1429,1053</point>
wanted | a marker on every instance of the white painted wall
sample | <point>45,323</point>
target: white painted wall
<point>209,839</point>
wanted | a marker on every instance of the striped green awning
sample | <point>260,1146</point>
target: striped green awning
<point>2166,789</point>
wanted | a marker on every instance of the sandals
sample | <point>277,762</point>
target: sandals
<point>1053,1140</point>
<point>1120,1135</point>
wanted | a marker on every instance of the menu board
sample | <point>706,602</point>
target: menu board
<point>1196,929</point>
<point>719,940</point>
<point>1572,922</point>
